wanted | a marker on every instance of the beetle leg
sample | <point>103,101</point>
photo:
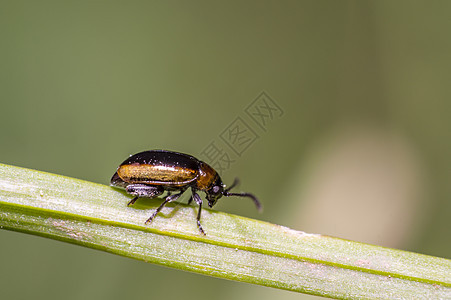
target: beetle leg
<point>198,200</point>
<point>190,200</point>
<point>168,199</point>
<point>133,201</point>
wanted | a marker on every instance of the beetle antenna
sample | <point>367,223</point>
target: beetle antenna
<point>256,202</point>
<point>234,184</point>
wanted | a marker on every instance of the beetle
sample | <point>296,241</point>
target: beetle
<point>149,174</point>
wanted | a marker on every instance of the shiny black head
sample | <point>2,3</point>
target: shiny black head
<point>215,192</point>
<point>218,190</point>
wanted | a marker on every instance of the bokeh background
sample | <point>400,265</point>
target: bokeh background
<point>362,150</point>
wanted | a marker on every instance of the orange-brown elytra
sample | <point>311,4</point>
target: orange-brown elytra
<point>150,173</point>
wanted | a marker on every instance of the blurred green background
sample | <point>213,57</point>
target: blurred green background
<point>362,150</point>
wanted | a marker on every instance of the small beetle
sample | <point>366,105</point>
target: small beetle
<point>150,173</point>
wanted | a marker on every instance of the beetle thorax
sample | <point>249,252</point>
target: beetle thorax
<point>207,177</point>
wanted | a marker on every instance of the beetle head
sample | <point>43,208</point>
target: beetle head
<point>215,192</point>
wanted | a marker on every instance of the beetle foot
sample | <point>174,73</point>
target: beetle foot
<point>200,228</point>
<point>149,220</point>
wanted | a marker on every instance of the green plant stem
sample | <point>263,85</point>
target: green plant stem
<point>235,247</point>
